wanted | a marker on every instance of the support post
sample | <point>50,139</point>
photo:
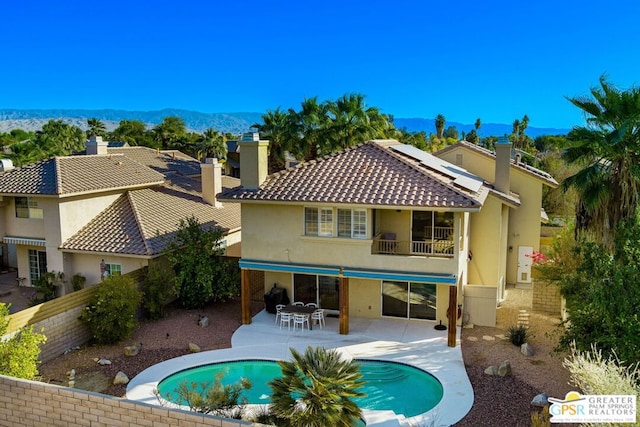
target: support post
<point>453,315</point>
<point>344,305</point>
<point>245,296</point>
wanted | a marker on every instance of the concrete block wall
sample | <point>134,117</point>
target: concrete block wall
<point>28,403</point>
<point>63,331</point>
<point>546,298</point>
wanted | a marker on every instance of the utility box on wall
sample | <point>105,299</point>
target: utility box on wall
<point>480,304</point>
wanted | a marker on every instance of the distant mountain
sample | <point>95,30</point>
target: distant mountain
<point>487,129</point>
<point>235,123</point>
<point>34,119</point>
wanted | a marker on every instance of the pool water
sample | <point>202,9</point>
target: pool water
<point>388,386</point>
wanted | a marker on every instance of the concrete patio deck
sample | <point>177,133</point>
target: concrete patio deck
<point>413,343</point>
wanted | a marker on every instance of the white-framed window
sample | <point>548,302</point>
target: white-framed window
<point>409,300</point>
<point>37,264</point>
<point>352,223</point>
<point>26,207</point>
<point>113,270</point>
<point>318,222</point>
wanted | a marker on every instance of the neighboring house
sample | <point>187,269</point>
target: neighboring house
<point>68,214</point>
<point>379,230</point>
<point>232,162</point>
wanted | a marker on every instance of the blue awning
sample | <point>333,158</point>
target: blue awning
<point>402,276</point>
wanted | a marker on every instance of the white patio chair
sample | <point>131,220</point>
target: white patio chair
<point>298,304</point>
<point>300,319</point>
<point>286,318</point>
<point>311,304</point>
<point>318,316</point>
<point>279,308</point>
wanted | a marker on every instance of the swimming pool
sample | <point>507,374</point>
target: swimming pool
<point>393,386</point>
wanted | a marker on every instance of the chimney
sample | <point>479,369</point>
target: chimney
<point>96,145</point>
<point>211,180</point>
<point>503,165</point>
<point>253,160</point>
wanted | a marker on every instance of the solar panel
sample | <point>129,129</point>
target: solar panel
<point>460,176</point>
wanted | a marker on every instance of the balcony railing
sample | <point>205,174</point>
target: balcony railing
<point>440,245</point>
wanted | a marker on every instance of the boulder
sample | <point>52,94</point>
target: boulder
<point>194,348</point>
<point>203,321</point>
<point>505,369</point>
<point>120,378</point>
<point>104,362</point>
<point>527,349</point>
<point>131,350</point>
<point>491,370</point>
<point>541,400</point>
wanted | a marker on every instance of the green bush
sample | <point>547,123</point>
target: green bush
<point>214,398</point>
<point>78,281</point>
<point>47,286</point>
<point>518,335</point>
<point>19,354</point>
<point>111,312</point>
<point>157,288</point>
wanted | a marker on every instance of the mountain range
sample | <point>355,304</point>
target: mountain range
<point>235,123</point>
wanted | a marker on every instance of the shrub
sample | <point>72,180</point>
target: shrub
<point>19,354</point>
<point>78,281</point>
<point>518,335</point>
<point>157,288</point>
<point>47,286</point>
<point>111,312</point>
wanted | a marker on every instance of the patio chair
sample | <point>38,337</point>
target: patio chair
<point>311,304</point>
<point>298,303</point>
<point>279,308</point>
<point>286,318</point>
<point>318,316</point>
<point>300,319</point>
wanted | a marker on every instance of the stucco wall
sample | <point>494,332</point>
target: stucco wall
<point>486,239</point>
<point>29,403</point>
<point>89,265</point>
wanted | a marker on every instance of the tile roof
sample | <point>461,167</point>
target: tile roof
<point>529,170</point>
<point>369,174</point>
<point>165,162</point>
<point>63,176</point>
<point>143,222</point>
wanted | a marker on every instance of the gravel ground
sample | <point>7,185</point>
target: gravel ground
<point>497,401</point>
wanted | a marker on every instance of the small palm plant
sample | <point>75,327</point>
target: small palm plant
<point>317,389</point>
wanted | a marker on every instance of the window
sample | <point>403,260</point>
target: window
<point>26,207</point>
<point>322,290</point>
<point>113,270</point>
<point>318,222</point>
<point>352,223</point>
<point>37,264</point>
<point>409,300</point>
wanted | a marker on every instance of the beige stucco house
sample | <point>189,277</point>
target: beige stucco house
<point>378,230</point>
<point>68,214</point>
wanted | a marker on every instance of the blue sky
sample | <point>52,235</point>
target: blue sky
<point>496,60</point>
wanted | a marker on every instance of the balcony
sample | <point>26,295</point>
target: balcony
<point>440,244</point>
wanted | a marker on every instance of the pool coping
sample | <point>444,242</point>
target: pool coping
<point>411,343</point>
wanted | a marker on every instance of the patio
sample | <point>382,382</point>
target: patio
<point>413,343</point>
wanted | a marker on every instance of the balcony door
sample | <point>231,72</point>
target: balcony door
<point>428,227</point>
<point>322,290</point>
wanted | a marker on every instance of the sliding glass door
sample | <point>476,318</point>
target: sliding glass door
<point>322,290</point>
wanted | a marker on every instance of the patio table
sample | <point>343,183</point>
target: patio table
<point>300,309</point>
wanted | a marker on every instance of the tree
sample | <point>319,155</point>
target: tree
<point>607,149</point>
<point>277,127</point>
<point>203,274</point>
<point>20,353</point>
<point>96,128</point>
<point>472,137</point>
<point>440,122</point>
<point>212,143</point>
<point>214,398</point>
<point>111,311</point>
<point>171,133</point>
<point>133,132</point>
<point>477,124</point>
<point>317,389</point>
<point>60,139</point>
<point>307,128</point>
<point>451,132</point>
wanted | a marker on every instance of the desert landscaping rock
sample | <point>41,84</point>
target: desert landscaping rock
<point>491,370</point>
<point>194,348</point>
<point>120,378</point>
<point>472,338</point>
<point>104,362</point>
<point>203,321</point>
<point>488,338</point>
<point>527,349</point>
<point>505,369</point>
<point>540,400</point>
<point>131,350</point>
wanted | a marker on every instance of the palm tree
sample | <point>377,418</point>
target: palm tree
<point>277,127</point>
<point>212,144</point>
<point>440,121</point>
<point>316,390</point>
<point>307,128</point>
<point>608,149</point>
<point>96,128</point>
<point>477,124</point>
